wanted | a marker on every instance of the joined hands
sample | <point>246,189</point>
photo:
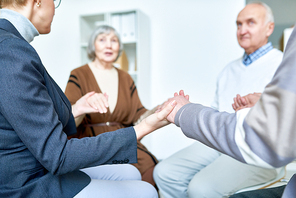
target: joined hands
<point>91,102</point>
<point>181,100</point>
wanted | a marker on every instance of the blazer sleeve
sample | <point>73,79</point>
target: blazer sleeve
<point>263,135</point>
<point>26,104</point>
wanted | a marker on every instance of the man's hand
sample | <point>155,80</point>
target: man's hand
<point>246,101</point>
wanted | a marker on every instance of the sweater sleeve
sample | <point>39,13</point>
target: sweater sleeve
<point>270,126</point>
<point>211,127</point>
<point>263,135</point>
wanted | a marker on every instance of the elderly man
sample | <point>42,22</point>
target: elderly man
<point>199,171</point>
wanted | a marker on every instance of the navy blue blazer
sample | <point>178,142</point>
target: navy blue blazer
<point>36,158</point>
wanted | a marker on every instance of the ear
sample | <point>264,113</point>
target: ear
<point>37,3</point>
<point>270,28</point>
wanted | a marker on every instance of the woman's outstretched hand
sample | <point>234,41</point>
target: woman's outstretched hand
<point>154,121</point>
<point>181,100</point>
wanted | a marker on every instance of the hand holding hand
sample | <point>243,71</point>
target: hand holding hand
<point>154,121</point>
<point>99,102</point>
<point>246,101</point>
<point>181,100</point>
<point>90,103</point>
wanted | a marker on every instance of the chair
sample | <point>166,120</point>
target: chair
<point>281,174</point>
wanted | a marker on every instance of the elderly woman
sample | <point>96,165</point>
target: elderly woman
<point>37,159</point>
<point>111,92</point>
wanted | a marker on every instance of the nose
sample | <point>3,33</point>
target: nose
<point>108,44</point>
<point>243,29</point>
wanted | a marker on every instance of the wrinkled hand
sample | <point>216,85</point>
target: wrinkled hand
<point>91,103</point>
<point>99,102</point>
<point>154,121</point>
<point>181,100</point>
<point>248,101</point>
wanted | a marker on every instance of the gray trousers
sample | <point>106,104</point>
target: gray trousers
<point>116,181</point>
<point>199,171</point>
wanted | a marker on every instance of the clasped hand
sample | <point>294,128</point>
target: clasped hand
<point>181,100</point>
<point>91,102</point>
<point>162,116</point>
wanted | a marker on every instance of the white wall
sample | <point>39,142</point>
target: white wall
<point>191,41</point>
<point>284,17</point>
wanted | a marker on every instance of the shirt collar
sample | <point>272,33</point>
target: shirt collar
<point>248,59</point>
<point>21,23</point>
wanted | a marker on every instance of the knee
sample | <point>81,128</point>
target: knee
<point>199,188</point>
<point>130,172</point>
<point>161,172</point>
<point>147,191</point>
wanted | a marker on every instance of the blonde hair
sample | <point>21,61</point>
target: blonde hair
<point>14,3</point>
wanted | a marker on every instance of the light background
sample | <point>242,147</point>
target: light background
<point>191,41</point>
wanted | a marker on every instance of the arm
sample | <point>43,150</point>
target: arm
<point>269,127</point>
<point>263,136</point>
<point>37,111</point>
<point>211,127</point>
<point>206,124</point>
<point>146,114</point>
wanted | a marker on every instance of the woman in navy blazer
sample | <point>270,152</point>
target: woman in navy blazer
<point>36,158</point>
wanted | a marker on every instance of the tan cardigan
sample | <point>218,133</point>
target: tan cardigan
<point>127,110</point>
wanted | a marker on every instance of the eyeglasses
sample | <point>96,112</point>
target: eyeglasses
<point>57,3</point>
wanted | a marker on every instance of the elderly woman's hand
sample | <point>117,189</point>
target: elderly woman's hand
<point>99,102</point>
<point>90,103</point>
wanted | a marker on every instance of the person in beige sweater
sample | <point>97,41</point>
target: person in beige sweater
<point>110,93</point>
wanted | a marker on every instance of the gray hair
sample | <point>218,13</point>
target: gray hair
<point>103,29</point>
<point>269,18</point>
